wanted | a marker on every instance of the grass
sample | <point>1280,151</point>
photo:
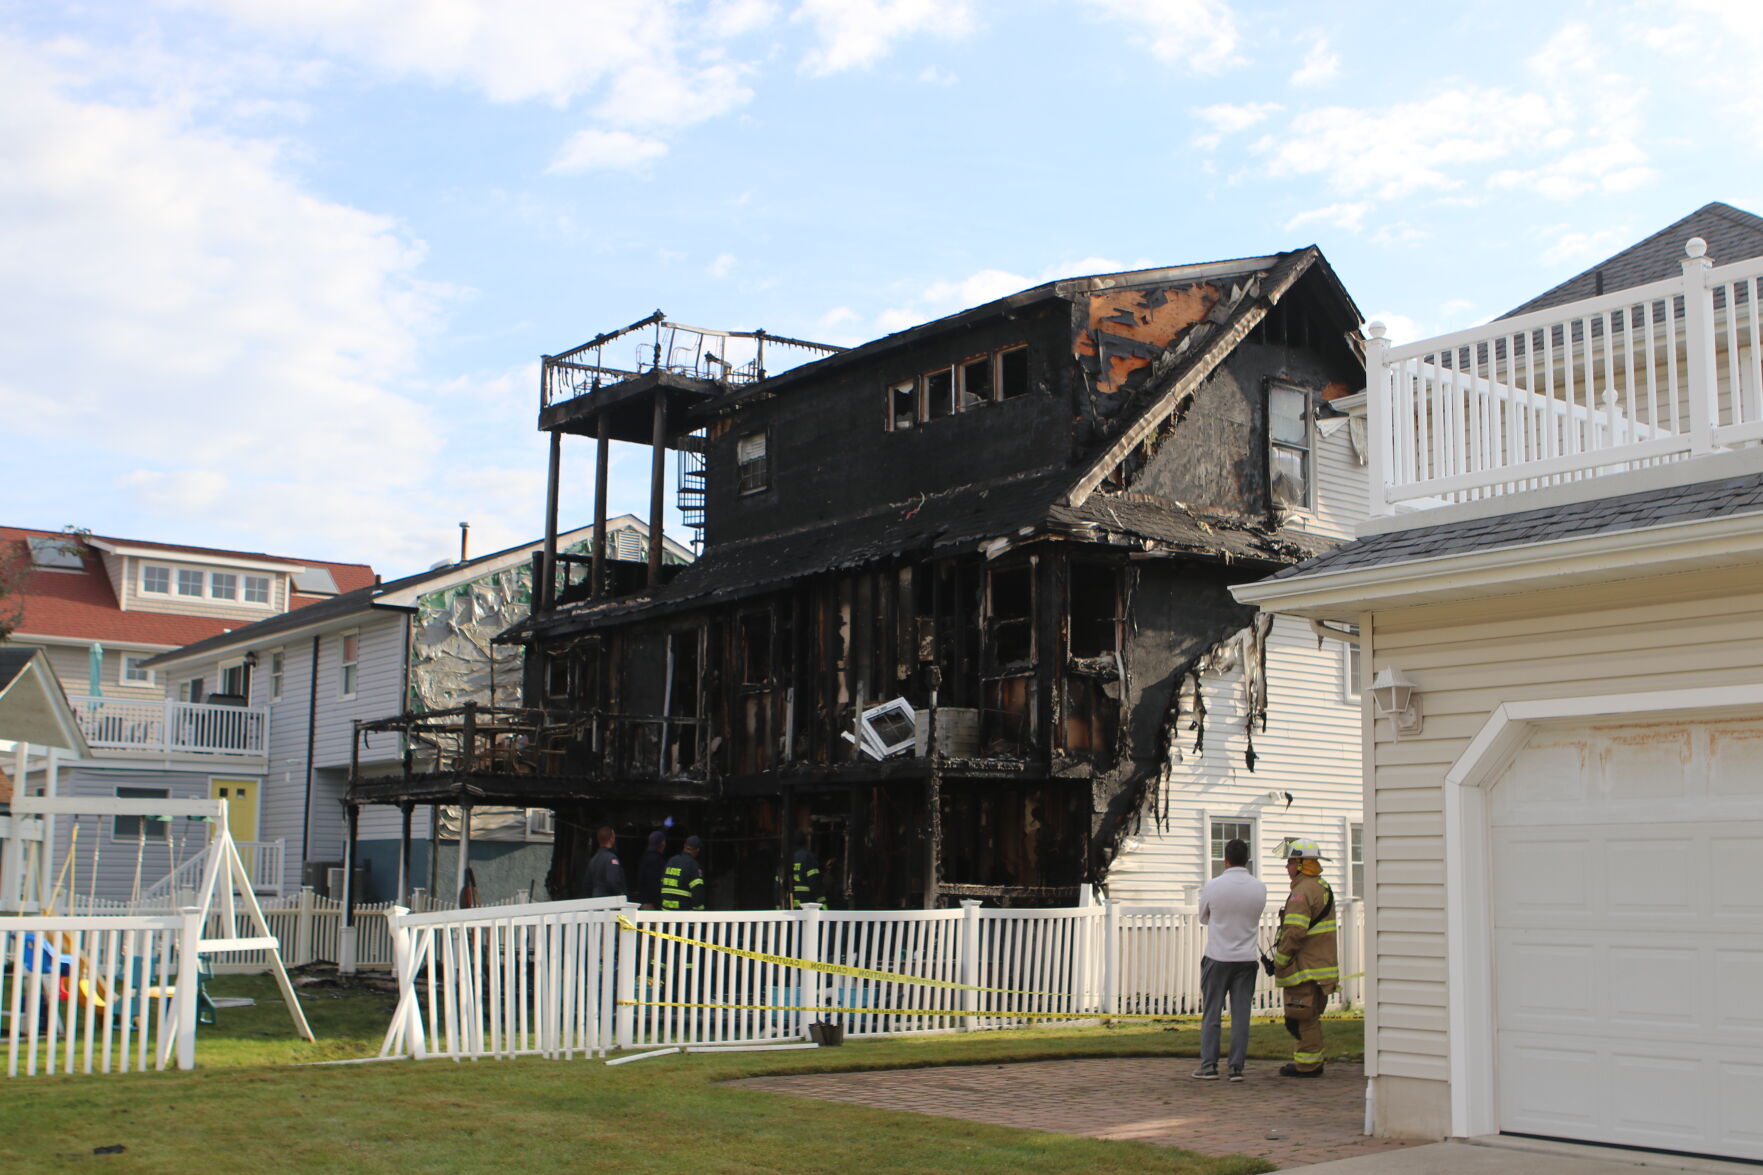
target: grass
<point>247,1108</point>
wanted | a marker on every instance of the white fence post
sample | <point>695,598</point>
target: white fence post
<point>808,942</point>
<point>629,944</point>
<point>1698,312</point>
<point>189,981</point>
<point>302,947</point>
<point>1378,422</point>
<point>1111,959</point>
<point>970,960</point>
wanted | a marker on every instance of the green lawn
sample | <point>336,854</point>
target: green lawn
<point>247,1108</point>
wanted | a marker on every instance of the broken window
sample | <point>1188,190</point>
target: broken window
<point>1288,430</point>
<point>1095,610</point>
<point>1012,373</point>
<point>902,405</point>
<point>753,469</point>
<point>1092,716</point>
<point>939,393</point>
<point>1010,616</point>
<point>976,382</point>
<point>1004,720</point>
<point>1225,831</point>
<point>557,677</point>
<point>756,648</point>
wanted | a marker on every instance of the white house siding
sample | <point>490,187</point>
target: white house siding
<point>1342,495</point>
<point>1637,636</point>
<point>115,860</point>
<point>72,665</point>
<point>1310,749</point>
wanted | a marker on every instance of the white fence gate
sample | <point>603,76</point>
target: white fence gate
<point>98,994</point>
<point>560,978</point>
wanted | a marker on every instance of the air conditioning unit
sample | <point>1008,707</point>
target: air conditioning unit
<point>333,879</point>
<point>541,822</point>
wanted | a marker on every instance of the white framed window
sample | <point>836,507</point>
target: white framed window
<point>1356,859</point>
<point>223,585</point>
<point>278,665</point>
<point>189,582</point>
<point>133,672</point>
<point>193,690</point>
<point>156,579</point>
<point>1289,446</point>
<point>235,679</point>
<point>753,467</point>
<point>131,828</point>
<point>349,646</point>
<point>1220,832</point>
<point>1350,670</point>
<point>257,589</point>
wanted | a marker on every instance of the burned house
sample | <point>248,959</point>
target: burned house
<point>956,589</point>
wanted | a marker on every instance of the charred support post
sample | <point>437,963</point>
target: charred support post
<point>657,480</point>
<point>787,843</point>
<point>933,799</point>
<point>404,854</point>
<point>346,937</point>
<point>602,458</point>
<point>548,583</point>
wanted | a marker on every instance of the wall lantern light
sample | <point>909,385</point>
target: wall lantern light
<point>1397,699</point>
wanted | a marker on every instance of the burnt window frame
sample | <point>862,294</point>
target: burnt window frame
<point>1081,568</point>
<point>742,487</point>
<point>891,418</point>
<point>927,412</point>
<point>987,360</point>
<point>998,373</point>
<point>1307,449</point>
<point>956,371</point>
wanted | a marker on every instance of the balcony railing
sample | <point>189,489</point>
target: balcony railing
<point>1656,373</point>
<point>171,728</point>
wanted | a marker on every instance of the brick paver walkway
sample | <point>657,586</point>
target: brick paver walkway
<point>1289,1123</point>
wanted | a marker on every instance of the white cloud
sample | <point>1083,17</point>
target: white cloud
<point>1402,329</point>
<point>1320,65</point>
<point>1227,119</point>
<point>933,75</point>
<point>598,150</point>
<point>855,34</point>
<point>1568,244</point>
<point>836,317</point>
<point>1200,35</point>
<point>984,286</point>
<point>1349,216</point>
<point>723,265</point>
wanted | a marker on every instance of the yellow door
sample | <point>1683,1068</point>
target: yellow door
<point>241,798</point>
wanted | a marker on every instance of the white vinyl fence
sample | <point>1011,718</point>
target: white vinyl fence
<point>562,978</point>
<point>98,994</point>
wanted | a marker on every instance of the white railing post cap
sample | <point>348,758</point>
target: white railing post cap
<point>1376,330</point>
<point>1695,247</point>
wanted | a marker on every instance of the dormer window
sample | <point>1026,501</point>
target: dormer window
<point>223,585</point>
<point>961,387</point>
<point>257,589</point>
<point>193,583</point>
<point>156,580</point>
<point>189,582</point>
<point>1289,447</point>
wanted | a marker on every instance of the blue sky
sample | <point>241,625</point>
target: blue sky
<point>278,272</point>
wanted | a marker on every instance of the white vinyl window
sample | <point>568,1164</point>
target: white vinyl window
<point>351,653</point>
<point>133,672</point>
<point>1221,833</point>
<point>189,582</point>
<point>1356,859</point>
<point>156,580</point>
<point>223,585</point>
<point>1350,672</point>
<point>257,589</point>
<point>278,663</point>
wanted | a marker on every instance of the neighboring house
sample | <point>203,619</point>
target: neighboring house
<point>1566,818</point>
<point>420,643</point>
<point>34,714</point>
<point>1017,525</point>
<point>100,608</point>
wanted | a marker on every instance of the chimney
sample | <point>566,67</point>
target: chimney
<point>464,541</point>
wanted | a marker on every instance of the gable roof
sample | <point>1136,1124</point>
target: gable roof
<point>1732,235</point>
<point>82,604</point>
<point>33,706</point>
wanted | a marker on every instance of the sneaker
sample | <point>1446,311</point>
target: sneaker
<point>1292,1070</point>
<point>1205,1074</point>
<point>1236,1074</point>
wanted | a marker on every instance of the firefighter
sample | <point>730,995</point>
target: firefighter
<point>805,880</point>
<point>682,882</point>
<point>1304,964</point>
<point>604,876</point>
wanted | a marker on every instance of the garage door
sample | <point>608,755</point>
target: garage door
<point>1626,904</point>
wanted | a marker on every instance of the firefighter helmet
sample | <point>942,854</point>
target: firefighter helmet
<point>1299,846</point>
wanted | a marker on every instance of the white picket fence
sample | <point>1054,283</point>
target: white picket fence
<point>105,994</point>
<point>561,979</point>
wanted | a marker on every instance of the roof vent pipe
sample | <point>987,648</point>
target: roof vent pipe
<point>464,541</point>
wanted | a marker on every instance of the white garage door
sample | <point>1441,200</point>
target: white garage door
<point>1627,916</point>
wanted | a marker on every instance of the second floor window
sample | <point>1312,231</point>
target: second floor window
<point>351,654</point>
<point>753,468</point>
<point>189,582</point>
<point>257,589</point>
<point>156,580</point>
<point>1289,447</point>
<point>1222,833</point>
<point>223,585</point>
<point>133,673</point>
<point>277,667</point>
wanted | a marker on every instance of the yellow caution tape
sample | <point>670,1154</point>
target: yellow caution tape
<point>831,968</point>
<point>993,1014</point>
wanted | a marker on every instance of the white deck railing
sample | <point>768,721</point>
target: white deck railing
<point>548,978</point>
<point>102,994</point>
<point>1656,373</point>
<point>171,728</point>
<point>264,862</point>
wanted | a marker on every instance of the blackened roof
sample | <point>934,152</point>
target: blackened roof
<point>1732,235</point>
<point>1691,503</point>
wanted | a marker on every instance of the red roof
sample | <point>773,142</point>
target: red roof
<point>82,605</point>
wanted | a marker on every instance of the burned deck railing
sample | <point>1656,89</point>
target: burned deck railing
<point>732,358</point>
<point>475,739</point>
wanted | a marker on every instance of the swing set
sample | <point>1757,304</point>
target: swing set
<point>223,858</point>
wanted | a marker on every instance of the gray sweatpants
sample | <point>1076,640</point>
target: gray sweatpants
<point>1218,979</point>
